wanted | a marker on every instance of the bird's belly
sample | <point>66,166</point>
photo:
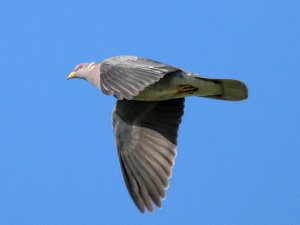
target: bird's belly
<point>166,88</point>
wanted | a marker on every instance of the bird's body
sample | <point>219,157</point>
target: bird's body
<point>147,116</point>
<point>177,85</point>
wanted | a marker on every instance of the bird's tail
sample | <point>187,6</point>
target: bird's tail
<point>224,89</point>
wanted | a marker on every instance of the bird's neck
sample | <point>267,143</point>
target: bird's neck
<point>95,78</point>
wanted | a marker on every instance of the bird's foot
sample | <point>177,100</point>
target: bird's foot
<point>186,89</point>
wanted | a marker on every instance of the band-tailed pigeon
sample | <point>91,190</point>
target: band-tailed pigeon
<point>150,101</point>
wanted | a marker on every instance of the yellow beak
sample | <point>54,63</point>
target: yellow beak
<point>71,75</point>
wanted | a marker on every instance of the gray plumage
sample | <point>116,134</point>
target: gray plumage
<point>147,116</point>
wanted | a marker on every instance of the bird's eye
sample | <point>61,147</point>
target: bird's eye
<point>78,68</point>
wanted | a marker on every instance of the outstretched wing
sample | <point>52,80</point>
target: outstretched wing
<point>146,137</point>
<point>125,76</point>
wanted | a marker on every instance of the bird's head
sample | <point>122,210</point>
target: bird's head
<point>87,71</point>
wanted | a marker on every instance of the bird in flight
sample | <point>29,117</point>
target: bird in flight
<point>150,102</point>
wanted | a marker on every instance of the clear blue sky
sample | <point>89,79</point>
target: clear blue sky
<point>237,162</point>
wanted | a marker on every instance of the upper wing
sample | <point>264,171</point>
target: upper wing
<point>125,76</point>
<point>146,137</point>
